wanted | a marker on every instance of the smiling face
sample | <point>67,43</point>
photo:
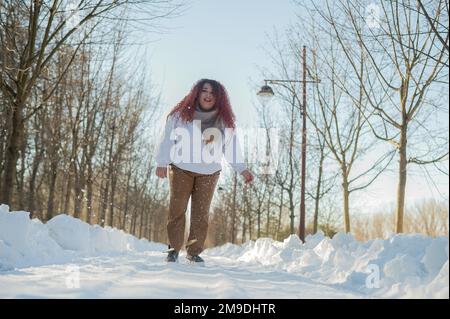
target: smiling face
<point>207,98</point>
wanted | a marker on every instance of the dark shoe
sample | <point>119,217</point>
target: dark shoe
<point>172,256</point>
<point>195,258</point>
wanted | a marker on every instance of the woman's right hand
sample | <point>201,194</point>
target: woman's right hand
<point>161,172</point>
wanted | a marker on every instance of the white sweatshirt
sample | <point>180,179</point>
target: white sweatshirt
<point>186,137</point>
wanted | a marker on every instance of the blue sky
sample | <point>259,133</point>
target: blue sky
<point>225,40</point>
<point>222,40</point>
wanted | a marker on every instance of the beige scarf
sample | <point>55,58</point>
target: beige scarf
<point>208,119</point>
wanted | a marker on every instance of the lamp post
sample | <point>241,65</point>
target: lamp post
<point>266,92</point>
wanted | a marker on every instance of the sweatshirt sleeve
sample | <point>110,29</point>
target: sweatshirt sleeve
<point>165,143</point>
<point>232,151</point>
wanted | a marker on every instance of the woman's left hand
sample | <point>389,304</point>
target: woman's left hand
<point>247,176</point>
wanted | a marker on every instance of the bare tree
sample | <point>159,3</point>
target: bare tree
<point>398,52</point>
<point>436,14</point>
<point>341,122</point>
<point>323,184</point>
<point>82,114</point>
<point>30,37</point>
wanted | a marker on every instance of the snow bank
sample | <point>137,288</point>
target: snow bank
<point>403,266</point>
<point>25,242</point>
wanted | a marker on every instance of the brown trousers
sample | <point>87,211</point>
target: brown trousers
<point>200,188</point>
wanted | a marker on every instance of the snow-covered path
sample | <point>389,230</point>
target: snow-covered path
<point>67,258</point>
<point>146,275</point>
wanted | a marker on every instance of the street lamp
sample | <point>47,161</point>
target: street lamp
<point>266,93</point>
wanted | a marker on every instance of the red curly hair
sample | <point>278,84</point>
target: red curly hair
<point>186,107</point>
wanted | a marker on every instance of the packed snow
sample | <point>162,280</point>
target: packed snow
<point>67,258</point>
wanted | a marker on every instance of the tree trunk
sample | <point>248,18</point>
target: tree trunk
<point>244,230</point>
<point>291,216</point>
<point>149,225</point>
<point>51,192</point>
<point>317,198</point>
<point>12,153</point>
<point>346,195</point>
<point>401,178</point>
<point>233,213</point>
<point>259,224</point>
<point>89,192</point>
<point>113,194</point>
<point>246,214</point>
<point>68,191</point>
<point>32,183</point>
<point>78,196</point>
<point>268,215</point>
<point>280,210</point>
<point>80,184</point>
<point>250,225</point>
<point>105,210</point>
<point>127,196</point>
<point>133,221</point>
<point>21,177</point>
<point>105,199</point>
<point>141,221</point>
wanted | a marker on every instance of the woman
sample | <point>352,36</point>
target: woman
<point>202,127</point>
